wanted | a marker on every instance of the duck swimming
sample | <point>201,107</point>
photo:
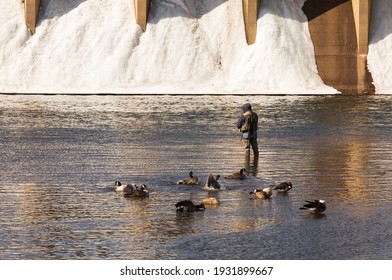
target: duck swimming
<point>124,188</point>
<point>142,192</point>
<point>284,187</point>
<point>210,201</point>
<point>188,206</point>
<point>315,206</point>
<point>264,193</point>
<point>237,175</point>
<point>212,182</point>
<point>192,180</point>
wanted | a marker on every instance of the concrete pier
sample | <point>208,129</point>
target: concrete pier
<point>142,7</point>
<point>31,10</point>
<point>340,32</point>
<point>250,9</point>
<point>362,12</point>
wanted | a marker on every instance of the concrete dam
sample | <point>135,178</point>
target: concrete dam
<point>339,32</point>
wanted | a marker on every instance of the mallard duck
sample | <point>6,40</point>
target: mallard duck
<point>264,193</point>
<point>188,206</point>
<point>192,180</point>
<point>283,187</point>
<point>315,206</point>
<point>237,175</point>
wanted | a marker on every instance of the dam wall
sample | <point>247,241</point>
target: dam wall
<point>339,30</point>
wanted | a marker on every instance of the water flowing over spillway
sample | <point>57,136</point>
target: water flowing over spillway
<point>189,47</point>
<point>380,45</point>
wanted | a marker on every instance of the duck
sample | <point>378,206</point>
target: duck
<point>142,192</point>
<point>317,206</point>
<point>210,201</point>
<point>188,206</point>
<point>126,188</point>
<point>237,175</point>
<point>283,187</point>
<point>192,180</point>
<point>212,182</point>
<point>264,193</point>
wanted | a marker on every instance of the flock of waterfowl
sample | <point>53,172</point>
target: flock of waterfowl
<point>131,190</point>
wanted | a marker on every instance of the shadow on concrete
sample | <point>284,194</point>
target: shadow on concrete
<point>380,26</point>
<point>313,8</point>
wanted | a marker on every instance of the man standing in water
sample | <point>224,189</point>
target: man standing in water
<point>248,124</point>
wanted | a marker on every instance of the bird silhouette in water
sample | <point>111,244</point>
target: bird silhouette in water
<point>315,206</point>
<point>263,193</point>
<point>192,180</point>
<point>188,206</point>
<point>125,188</point>
<point>237,175</point>
<point>142,192</point>
<point>212,182</point>
<point>284,187</point>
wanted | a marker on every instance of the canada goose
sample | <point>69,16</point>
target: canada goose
<point>284,187</point>
<point>210,201</point>
<point>192,180</point>
<point>264,193</point>
<point>212,182</point>
<point>315,206</point>
<point>124,188</point>
<point>142,192</point>
<point>237,175</point>
<point>188,206</point>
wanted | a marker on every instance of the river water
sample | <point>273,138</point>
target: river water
<point>60,156</point>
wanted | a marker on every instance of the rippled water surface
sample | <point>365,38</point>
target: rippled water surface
<point>60,156</point>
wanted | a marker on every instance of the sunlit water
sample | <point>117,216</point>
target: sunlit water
<point>60,156</point>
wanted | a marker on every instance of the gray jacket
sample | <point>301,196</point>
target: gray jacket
<point>254,121</point>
